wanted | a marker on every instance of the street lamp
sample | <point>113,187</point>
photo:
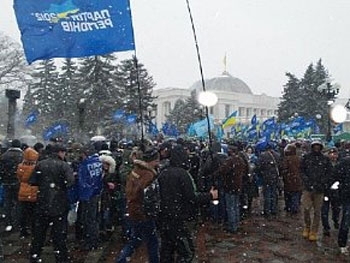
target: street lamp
<point>329,91</point>
<point>81,104</point>
<point>338,113</point>
<point>208,99</point>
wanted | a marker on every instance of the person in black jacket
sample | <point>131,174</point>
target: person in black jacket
<point>268,169</point>
<point>232,171</point>
<point>343,170</point>
<point>315,169</point>
<point>179,202</point>
<point>52,176</point>
<point>8,168</point>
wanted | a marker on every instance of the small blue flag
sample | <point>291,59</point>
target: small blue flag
<point>74,28</point>
<point>253,121</point>
<point>118,115</point>
<point>31,118</point>
<point>338,129</point>
<point>131,118</point>
<point>152,129</point>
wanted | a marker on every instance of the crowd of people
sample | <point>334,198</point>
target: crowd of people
<point>165,194</point>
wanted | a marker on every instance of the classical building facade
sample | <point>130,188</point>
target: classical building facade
<point>233,95</point>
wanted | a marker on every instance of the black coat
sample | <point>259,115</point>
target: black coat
<point>8,165</point>
<point>52,176</point>
<point>268,167</point>
<point>179,198</point>
<point>343,172</point>
<point>316,170</point>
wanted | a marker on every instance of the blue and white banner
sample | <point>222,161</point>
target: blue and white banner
<point>74,28</point>
<point>56,129</point>
<point>31,118</point>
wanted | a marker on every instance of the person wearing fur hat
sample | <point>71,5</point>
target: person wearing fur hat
<point>143,227</point>
<point>108,196</point>
<point>8,167</point>
<point>315,168</point>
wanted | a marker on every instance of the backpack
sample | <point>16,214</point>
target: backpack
<point>151,199</point>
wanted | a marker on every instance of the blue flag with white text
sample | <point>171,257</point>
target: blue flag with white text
<point>31,118</point>
<point>74,28</point>
<point>56,129</point>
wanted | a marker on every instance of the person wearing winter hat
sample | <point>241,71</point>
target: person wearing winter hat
<point>292,181</point>
<point>178,207</point>
<point>27,194</point>
<point>331,200</point>
<point>315,168</point>
<point>53,176</point>
<point>143,227</point>
<point>89,189</point>
<point>108,194</point>
<point>8,167</point>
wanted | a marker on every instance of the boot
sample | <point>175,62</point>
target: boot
<point>306,232</point>
<point>313,236</point>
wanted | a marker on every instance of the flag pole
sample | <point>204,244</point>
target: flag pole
<point>139,92</point>
<point>201,72</point>
<point>139,96</point>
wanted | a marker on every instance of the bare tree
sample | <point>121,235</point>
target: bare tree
<point>13,67</point>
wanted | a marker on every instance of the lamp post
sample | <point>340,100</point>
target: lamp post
<point>81,116</point>
<point>329,91</point>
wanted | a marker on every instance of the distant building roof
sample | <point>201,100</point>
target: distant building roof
<point>224,82</point>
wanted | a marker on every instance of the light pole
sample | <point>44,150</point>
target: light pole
<point>208,99</point>
<point>81,116</point>
<point>329,91</point>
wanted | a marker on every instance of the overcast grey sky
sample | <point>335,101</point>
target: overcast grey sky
<point>263,39</point>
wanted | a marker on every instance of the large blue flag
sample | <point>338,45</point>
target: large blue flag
<point>201,127</point>
<point>74,28</point>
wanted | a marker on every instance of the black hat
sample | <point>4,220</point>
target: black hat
<point>16,143</point>
<point>38,146</point>
<point>165,145</point>
<point>89,149</point>
<point>150,154</point>
<point>58,148</point>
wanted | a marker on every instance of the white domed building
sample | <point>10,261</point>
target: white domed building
<point>233,95</point>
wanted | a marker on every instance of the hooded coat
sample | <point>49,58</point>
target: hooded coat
<point>27,193</point>
<point>290,170</point>
<point>141,176</point>
<point>232,171</point>
<point>8,165</point>
<point>179,198</point>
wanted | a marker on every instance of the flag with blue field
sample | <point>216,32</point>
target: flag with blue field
<point>74,28</point>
